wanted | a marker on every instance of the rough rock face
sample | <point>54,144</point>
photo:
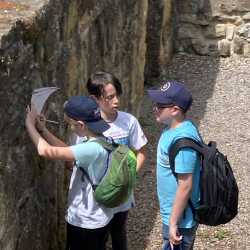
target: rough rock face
<point>56,43</point>
<point>219,27</point>
<point>159,38</point>
<point>111,37</point>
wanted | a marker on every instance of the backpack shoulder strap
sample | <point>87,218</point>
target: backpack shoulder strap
<point>85,173</point>
<point>179,144</point>
<point>184,142</point>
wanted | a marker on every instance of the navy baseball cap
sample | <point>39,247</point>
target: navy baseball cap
<point>172,92</point>
<point>84,108</point>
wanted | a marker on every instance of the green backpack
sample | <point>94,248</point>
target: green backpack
<point>119,178</point>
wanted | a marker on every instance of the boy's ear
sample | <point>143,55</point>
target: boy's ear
<point>81,123</point>
<point>176,110</point>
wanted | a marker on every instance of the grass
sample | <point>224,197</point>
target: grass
<point>221,234</point>
<point>213,234</point>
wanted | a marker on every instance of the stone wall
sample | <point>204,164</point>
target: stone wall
<point>214,27</point>
<point>56,43</point>
<point>60,43</point>
<point>31,189</point>
<point>159,38</point>
<point>107,38</point>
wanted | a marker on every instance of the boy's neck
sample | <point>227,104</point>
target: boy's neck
<point>109,117</point>
<point>175,124</point>
<point>177,121</point>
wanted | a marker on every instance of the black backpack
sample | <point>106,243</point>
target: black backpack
<point>218,187</point>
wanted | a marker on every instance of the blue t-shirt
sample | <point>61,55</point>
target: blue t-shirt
<point>92,157</point>
<point>83,211</point>
<point>186,161</point>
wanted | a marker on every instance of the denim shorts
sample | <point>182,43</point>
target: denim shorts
<point>188,235</point>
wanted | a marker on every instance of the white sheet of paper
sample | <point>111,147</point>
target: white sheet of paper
<point>40,96</point>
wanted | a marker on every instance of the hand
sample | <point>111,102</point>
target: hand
<point>174,236</point>
<point>40,122</point>
<point>31,115</point>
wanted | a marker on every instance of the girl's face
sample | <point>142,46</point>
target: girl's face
<point>109,101</point>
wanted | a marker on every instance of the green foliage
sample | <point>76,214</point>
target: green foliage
<point>221,234</point>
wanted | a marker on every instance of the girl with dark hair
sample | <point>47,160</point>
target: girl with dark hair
<point>124,129</point>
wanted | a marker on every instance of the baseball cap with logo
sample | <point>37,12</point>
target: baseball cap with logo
<point>172,92</point>
<point>84,108</point>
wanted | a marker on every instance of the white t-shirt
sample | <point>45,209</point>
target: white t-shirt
<point>126,130</point>
<point>83,211</point>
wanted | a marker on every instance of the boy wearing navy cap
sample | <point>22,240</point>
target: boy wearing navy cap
<point>171,102</point>
<point>87,221</point>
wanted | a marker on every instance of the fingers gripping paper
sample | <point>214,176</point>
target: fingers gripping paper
<point>40,96</point>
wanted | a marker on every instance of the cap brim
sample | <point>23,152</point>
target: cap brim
<point>98,127</point>
<point>158,96</point>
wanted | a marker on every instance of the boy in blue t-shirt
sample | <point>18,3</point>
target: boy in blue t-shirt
<point>171,102</point>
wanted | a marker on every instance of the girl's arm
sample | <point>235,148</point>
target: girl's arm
<point>46,134</point>
<point>51,139</point>
<point>141,157</point>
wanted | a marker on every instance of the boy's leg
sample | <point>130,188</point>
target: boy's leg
<point>118,231</point>
<point>188,237</point>
<point>86,239</point>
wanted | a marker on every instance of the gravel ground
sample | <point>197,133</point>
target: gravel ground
<point>221,91</point>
